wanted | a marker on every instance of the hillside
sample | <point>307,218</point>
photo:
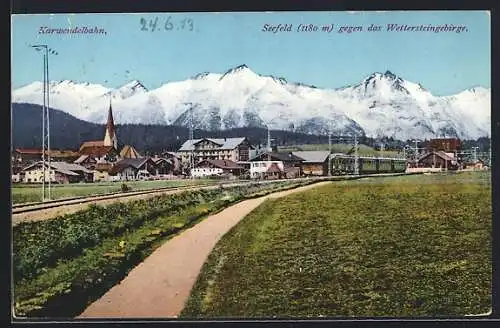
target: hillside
<point>68,132</point>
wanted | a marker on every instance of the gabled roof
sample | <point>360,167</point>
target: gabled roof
<point>273,168</point>
<point>284,157</point>
<point>315,156</point>
<point>62,167</point>
<point>159,160</point>
<point>221,163</point>
<point>53,152</point>
<point>96,143</point>
<point>471,162</point>
<point>98,151</point>
<point>31,151</point>
<point>440,154</point>
<point>129,152</point>
<point>70,167</point>
<point>103,167</point>
<point>171,154</point>
<point>134,162</point>
<point>225,143</point>
<point>81,159</point>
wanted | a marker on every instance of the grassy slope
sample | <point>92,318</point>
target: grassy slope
<point>32,193</point>
<point>412,246</point>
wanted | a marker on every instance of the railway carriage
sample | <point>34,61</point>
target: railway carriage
<point>344,165</point>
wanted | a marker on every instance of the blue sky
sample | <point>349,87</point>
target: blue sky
<point>444,63</point>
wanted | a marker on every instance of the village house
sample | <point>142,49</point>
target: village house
<point>234,149</point>
<point>175,159</point>
<point>59,172</point>
<point>87,161</point>
<point>315,162</point>
<point>216,167</point>
<point>266,169</point>
<point>133,169</point>
<point>291,167</point>
<point>438,159</point>
<point>164,167</point>
<point>477,165</point>
<point>449,145</point>
<point>29,155</point>
<point>101,172</point>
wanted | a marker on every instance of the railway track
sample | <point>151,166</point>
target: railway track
<point>117,193</point>
<point>25,208</point>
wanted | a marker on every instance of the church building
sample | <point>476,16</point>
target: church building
<point>100,151</point>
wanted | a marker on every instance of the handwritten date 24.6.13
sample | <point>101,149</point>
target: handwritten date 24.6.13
<point>168,24</point>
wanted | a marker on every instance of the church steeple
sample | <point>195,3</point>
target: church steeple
<point>110,136</point>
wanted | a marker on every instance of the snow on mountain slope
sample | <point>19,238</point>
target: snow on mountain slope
<point>66,95</point>
<point>382,104</point>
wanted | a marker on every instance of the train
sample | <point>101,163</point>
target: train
<point>343,164</point>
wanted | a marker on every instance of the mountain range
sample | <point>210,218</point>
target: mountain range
<point>381,105</point>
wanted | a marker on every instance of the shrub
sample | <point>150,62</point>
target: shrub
<point>125,187</point>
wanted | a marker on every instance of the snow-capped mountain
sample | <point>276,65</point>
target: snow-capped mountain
<point>382,104</point>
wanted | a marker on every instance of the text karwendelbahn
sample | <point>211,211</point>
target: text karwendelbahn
<point>74,30</point>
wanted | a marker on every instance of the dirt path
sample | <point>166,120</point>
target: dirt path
<point>159,286</point>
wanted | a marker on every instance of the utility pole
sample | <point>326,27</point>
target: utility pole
<point>191,138</point>
<point>45,117</point>
<point>329,153</point>
<point>268,143</point>
<point>474,149</point>
<point>356,168</point>
<point>489,157</point>
<point>416,152</point>
<point>48,117</point>
<point>44,113</point>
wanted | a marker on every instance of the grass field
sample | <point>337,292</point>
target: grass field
<point>25,193</point>
<point>411,246</point>
<point>342,148</point>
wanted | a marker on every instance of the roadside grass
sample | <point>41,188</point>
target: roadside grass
<point>28,193</point>
<point>64,264</point>
<point>398,247</point>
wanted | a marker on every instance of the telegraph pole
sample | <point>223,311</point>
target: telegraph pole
<point>356,168</point>
<point>45,116</point>
<point>489,157</point>
<point>329,153</point>
<point>416,152</point>
<point>268,143</point>
<point>474,149</point>
<point>48,116</point>
<point>191,138</point>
